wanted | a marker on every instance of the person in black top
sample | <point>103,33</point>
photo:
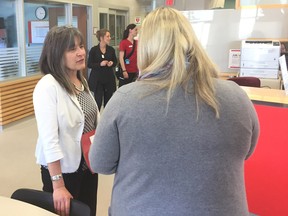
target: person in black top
<point>102,59</point>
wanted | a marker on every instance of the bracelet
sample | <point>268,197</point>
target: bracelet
<point>56,177</point>
<point>124,70</point>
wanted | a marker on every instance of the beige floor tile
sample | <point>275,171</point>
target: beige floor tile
<point>18,164</point>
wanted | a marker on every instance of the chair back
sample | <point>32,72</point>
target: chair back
<point>44,200</point>
<point>247,81</point>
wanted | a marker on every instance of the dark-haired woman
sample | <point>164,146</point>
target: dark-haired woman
<point>129,66</point>
<point>102,59</point>
<point>64,110</point>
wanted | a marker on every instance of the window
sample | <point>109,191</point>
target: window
<point>20,52</point>
<point>36,30</point>
<point>9,51</point>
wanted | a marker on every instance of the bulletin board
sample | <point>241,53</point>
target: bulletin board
<point>37,31</point>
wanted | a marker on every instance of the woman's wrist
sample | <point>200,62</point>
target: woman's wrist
<point>58,184</point>
<point>124,71</point>
<point>56,177</point>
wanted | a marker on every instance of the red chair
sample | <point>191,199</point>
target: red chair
<point>247,81</point>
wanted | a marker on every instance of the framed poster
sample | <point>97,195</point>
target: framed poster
<point>37,31</point>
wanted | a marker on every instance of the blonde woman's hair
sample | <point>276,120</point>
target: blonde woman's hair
<point>167,38</point>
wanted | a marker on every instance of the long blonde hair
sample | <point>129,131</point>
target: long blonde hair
<point>167,38</point>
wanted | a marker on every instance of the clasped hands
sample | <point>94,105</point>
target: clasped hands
<point>106,63</point>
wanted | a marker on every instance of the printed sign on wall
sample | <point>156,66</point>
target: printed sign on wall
<point>234,58</point>
<point>138,20</point>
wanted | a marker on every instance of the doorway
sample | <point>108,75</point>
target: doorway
<point>115,21</point>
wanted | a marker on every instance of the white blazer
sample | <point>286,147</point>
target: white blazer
<point>60,122</point>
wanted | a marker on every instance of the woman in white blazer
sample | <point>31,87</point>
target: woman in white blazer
<point>64,110</point>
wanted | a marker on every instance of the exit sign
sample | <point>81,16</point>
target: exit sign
<point>169,2</point>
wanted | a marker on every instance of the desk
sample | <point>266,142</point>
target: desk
<point>12,207</point>
<point>227,75</point>
<point>276,96</point>
<point>266,172</point>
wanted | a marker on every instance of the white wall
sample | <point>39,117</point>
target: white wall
<point>221,30</point>
<point>191,5</point>
<point>135,8</point>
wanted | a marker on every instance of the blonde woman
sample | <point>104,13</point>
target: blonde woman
<point>177,138</point>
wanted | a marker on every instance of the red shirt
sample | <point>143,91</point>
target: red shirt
<point>126,46</point>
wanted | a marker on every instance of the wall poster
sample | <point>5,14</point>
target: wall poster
<point>37,31</point>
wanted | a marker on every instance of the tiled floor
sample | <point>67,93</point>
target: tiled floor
<point>18,168</point>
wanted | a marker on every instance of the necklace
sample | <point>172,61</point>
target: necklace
<point>103,49</point>
<point>79,89</point>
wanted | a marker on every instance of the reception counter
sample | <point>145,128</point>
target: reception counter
<point>266,171</point>
<point>269,96</point>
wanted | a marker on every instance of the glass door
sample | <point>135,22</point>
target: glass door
<point>115,21</point>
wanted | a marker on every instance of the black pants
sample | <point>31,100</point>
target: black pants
<point>132,77</point>
<point>104,90</point>
<point>81,184</point>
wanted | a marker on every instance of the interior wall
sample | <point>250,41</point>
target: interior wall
<point>202,4</point>
<point>221,30</point>
<point>191,5</point>
<point>136,8</point>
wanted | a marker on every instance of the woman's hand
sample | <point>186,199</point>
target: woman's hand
<point>125,75</point>
<point>61,199</point>
<point>110,63</point>
<point>104,63</point>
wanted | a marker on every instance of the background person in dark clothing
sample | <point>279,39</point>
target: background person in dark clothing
<point>102,59</point>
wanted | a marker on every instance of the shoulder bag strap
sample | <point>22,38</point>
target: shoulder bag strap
<point>130,54</point>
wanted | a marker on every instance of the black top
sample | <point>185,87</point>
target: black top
<point>104,73</point>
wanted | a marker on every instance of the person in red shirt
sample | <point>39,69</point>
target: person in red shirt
<point>129,65</point>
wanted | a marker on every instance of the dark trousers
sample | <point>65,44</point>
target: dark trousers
<point>82,185</point>
<point>104,90</point>
<point>132,77</point>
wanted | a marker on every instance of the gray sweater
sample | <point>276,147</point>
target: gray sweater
<point>168,163</point>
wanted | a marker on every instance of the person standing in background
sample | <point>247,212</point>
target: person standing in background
<point>129,66</point>
<point>64,110</point>
<point>178,137</point>
<point>102,59</point>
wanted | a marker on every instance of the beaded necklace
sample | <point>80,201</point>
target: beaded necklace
<point>79,89</point>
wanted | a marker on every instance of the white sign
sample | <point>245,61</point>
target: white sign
<point>38,31</point>
<point>138,20</point>
<point>283,65</point>
<point>234,58</point>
